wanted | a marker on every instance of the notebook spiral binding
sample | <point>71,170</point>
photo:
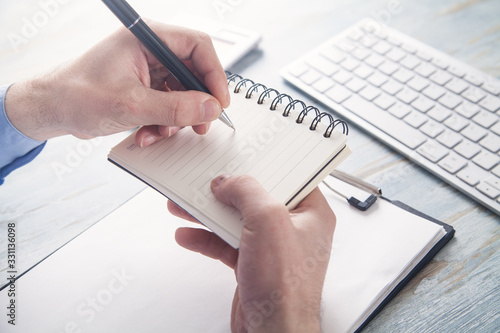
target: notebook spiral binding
<point>292,103</point>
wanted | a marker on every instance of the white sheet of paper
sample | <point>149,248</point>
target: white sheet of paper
<point>127,274</point>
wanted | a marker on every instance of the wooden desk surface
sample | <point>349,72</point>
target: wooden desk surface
<point>71,185</point>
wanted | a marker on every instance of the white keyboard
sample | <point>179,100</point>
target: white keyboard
<point>432,108</point>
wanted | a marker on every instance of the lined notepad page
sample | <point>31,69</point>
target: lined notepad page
<point>282,154</point>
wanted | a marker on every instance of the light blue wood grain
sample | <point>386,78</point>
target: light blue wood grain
<point>458,291</point>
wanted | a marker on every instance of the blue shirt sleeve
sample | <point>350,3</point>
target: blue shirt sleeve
<point>16,149</point>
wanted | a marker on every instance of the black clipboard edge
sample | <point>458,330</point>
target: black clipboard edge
<point>449,233</point>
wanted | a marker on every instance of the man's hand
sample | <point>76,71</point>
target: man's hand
<point>282,260</point>
<point>119,85</point>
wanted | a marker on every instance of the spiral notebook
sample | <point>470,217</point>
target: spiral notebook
<point>287,146</point>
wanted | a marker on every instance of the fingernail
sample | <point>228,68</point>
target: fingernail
<point>211,110</point>
<point>219,180</point>
<point>147,140</point>
<point>172,130</point>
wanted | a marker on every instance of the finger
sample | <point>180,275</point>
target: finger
<point>175,108</point>
<point>201,129</point>
<point>147,135</point>
<point>179,212</point>
<point>197,47</point>
<point>206,243</point>
<point>315,214</point>
<point>251,199</point>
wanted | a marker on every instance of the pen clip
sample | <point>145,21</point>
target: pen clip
<point>374,192</point>
<point>356,182</point>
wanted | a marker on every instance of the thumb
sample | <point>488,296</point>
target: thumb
<point>176,108</point>
<point>252,200</point>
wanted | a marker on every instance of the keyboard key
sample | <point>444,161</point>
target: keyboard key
<point>355,34</point>
<point>407,95</point>
<point>323,84</point>
<point>449,138</point>
<point>382,47</point>
<point>399,110</point>
<point>494,181</point>
<point>385,122</point>
<point>422,104</point>
<point>403,75</point>
<point>342,76</point>
<point>350,64</point>
<point>415,119</point>
<point>310,76</point>
<point>323,65</point>
<point>468,110</point>
<point>380,33</point>
<point>374,60</point>
<point>434,92</point>
<point>467,149</point>
<point>377,79</point>
<point>432,129</point>
<point>410,62</point>
<point>299,69</point>
<point>456,122</point>
<point>369,92</point>
<point>409,48</point>
<point>474,94</point>
<point>486,160</point>
<point>355,84</point>
<point>361,53</point>
<point>392,87</point>
<point>496,170</point>
<point>490,103</point>
<point>368,40</point>
<point>450,100</point>
<point>440,63</point>
<point>345,45</point>
<point>363,71</point>
<point>487,189</point>
<point>485,119</point>
<point>334,54</point>
<point>457,85</point>
<point>469,175</point>
<point>394,41</point>
<point>395,54</point>
<point>457,71</point>
<point>496,128</point>
<point>432,151</point>
<point>439,113</point>
<point>473,79</point>
<point>440,77</point>
<point>384,101</point>
<point>453,163</point>
<point>493,87</point>
<point>491,142</point>
<point>424,55</point>
<point>388,67</point>
<point>474,132</point>
<point>338,93</point>
<point>425,69</point>
<point>418,83</point>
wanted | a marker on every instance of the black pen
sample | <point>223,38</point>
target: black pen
<point>133,22</point>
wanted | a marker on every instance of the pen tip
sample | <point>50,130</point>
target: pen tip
<point>225,119</point>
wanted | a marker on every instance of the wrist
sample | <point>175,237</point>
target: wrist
<point>290,315</point>
<point>31,108</point>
